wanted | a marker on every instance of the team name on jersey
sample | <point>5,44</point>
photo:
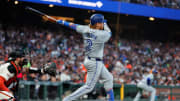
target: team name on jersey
<point>90,35</point>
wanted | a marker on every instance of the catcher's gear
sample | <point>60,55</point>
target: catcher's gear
<point>6,96</point>
<point>24,62</point>
<point>16,54</point>
<point>49,70</point>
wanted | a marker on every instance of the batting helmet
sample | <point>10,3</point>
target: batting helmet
<point>96,18</point>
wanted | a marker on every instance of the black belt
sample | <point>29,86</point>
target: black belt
<point>97,59</point>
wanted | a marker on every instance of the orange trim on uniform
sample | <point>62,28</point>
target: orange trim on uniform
<point>2,84</point>
<point>3,78</point>
<point>11,80</point>
<point>17,69</point>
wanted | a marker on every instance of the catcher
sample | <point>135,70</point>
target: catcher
<point>9,71</point>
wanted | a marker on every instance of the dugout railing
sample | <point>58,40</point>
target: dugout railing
<point>54,91</point>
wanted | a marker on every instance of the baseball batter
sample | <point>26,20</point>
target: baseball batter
<point>95,35</point>
<point>145,84</point>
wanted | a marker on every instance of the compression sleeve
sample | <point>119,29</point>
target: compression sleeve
<point>67,24</point>
<point>11,69</point>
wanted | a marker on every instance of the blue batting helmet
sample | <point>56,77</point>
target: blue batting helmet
<point>96,18</point>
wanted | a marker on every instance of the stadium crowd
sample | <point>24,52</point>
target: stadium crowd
<point>126,59</point>
<point>158,3</point>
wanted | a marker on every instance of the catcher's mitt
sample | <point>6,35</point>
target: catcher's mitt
<point>49,70</point>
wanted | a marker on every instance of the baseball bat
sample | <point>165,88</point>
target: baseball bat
<point>40,13</point>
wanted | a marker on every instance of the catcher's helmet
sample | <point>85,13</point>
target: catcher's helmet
<point>16,54</point>
<point>96,18</point>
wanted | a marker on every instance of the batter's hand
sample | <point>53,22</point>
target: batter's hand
<point>44,18</point>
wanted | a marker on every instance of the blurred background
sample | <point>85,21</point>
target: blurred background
<point>146,34</point>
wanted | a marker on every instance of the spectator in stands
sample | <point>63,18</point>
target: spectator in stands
<point>127,58</point>
<point>65,76</point>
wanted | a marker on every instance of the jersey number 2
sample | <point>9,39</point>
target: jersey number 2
<point>89,44</point>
